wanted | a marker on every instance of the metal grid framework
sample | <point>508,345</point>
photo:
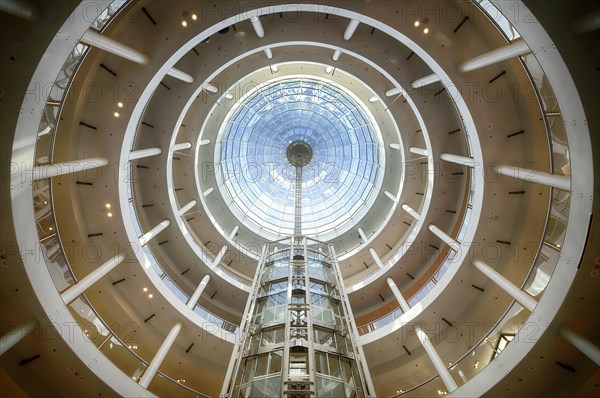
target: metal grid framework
<point>340,183</point>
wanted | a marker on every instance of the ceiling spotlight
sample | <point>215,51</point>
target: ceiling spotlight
<point>109,214</point>
<point>194,17</point>
<point>426,30</point>
<point>145,289</point>
<point>108,205</point>
<point>120,104</point>
<point>184,23</point>
<point>150,295</point>
<point>50,228</point>
<point>116,114</point>
<point>417,23</point>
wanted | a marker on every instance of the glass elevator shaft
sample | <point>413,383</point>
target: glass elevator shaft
<point>297,338</point>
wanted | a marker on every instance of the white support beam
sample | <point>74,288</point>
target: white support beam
<point>234,232</point>
<point>204,142</point>
<point>220,256</point>
<point>362,235</point>
<point>187,207</point>
<point>336,55</point>
<point>269,53</point>
<point>114,47</point>
<point>454,245</point>
<point>57,169</point>
<point>12,337</point>
<point>411,211</point>
<point>177,74</point>
<point>390,196</point>
<point>418,151</point>
<point>144,153</point>
<point>463,160</point>
<point>210,88</point>
<point>586,347</point>
<point>514,49</point>
<point>395,146</point>
<point>376,258</point>
<point>522,297</point>
<point>160,355</point>
<point>552,180</point>
<point>424,81</point>
<point>198,292</point>
<point>399,297</point>
<point>437,362</point>
<point>82,285</point>
<point>208,191</point>
<point>351,29</point>
<point>393,91</point>
<point>153,232</point>
<point>257,25</point>
<point>182,146</point>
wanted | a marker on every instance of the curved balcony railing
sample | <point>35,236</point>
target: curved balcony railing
<point>110,341</point>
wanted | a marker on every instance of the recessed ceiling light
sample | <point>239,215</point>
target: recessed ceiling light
<point>184,23</point>
<point>116,114</point>
<point>417,23</point>
<point>145,289</point>
<point>150,295</point>
<point>426,30</point>
<point>50,228</point>
<point>109,214</point>
<point>120,104</point>
<point>194,17</point>
<point>108,205</point>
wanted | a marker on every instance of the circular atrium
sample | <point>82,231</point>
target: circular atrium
<point>362,198</point>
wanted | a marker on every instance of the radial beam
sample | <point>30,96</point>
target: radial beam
<point>424,81</point>
<point>82,285</point>
<point>393,91</point>
<point>15,335</point>
<point>437,362</point>
<point>269,53</point>
<point>351,29</point>
<point>411,211</point>
<point>187,207</point>
<point>257,25</point>
<point>514,49</point>
<point>182,146</point>
<point>177,74</point>
<point>160,355</point>
<point>336,55</point>
<point>114,47</point>
<point>234,232</point>
<point>522,297</point>
<point>57,169</point>
<point>144,153</point>
<point>376,258</point>
<point>586,347</point>
<point>153,232</point>
<point>208,191</point>
<point>198,292</point>
<point>454,245</point>
<point>220,256</point>
<point>552,180</point>
<point>463,160</point>
<point>211,88</point>
<point>390,196</point>
<point>418,151</point>
<point>362,235</point>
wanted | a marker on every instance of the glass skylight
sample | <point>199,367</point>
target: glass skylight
<point>339,184</point>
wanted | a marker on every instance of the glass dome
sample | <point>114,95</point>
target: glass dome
<point>339,184</point>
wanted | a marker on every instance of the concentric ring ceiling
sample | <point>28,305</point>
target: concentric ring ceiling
<point>339,184</point>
